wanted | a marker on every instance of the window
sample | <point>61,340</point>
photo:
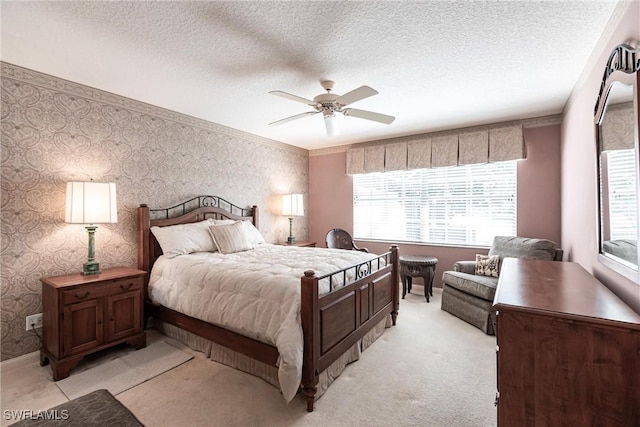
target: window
<point>461,205</point>
<point>621,170</point>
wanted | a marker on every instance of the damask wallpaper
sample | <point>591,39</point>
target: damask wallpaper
<point>55,131</point>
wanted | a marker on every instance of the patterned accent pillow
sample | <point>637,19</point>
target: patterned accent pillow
<point>487,265</point>
<point>223,221</point>
<point>231,238</point>
<point>254,235</point>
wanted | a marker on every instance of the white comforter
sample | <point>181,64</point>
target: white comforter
<point>255,293</point>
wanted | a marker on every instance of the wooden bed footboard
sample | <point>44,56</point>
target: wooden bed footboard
<point>335,321</point>
<point>331,323</point>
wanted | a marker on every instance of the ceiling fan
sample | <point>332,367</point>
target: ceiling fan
<point>330,103</point>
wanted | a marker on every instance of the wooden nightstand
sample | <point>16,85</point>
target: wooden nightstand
<point>300,244</point>
<point>84,314</point>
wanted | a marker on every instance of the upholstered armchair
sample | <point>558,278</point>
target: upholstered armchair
<point>468,290</point>
<point>341,239</point>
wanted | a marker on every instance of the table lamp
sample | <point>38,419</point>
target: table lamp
<point>91,203</point>
<point>292,206</point>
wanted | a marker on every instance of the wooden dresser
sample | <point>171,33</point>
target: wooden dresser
<point>568,348</point>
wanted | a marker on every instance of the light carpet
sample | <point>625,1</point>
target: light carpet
<point>432,369</point>
<point>125,372</point>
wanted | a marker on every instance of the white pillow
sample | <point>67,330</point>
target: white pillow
<point>231,238</point>
<point>253,233</point>
<point>184,239</point>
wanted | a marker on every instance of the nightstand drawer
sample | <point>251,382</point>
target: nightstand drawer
<point>98,290</point>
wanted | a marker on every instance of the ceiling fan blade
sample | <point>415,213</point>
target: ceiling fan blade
<point>369,115</point>
<point>356,95</point>
<point>294,97</point>
<point>297,116</point>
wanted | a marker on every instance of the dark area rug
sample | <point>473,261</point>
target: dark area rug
<point>98,408</point>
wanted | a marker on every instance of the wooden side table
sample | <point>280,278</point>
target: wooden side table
<point>300,243</point>
<point>85,314</point>
<point>418,266</point>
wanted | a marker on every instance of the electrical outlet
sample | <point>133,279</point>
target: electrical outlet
<point>35,320</point>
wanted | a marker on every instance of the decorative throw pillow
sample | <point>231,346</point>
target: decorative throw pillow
<point>487,265</point>
<point>184,239</point>
<point>231,238</point>
<point>253,234</point>
<point>223,221</point>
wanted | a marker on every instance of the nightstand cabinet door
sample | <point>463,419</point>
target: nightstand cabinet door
<point>82,326</point>
<point>124,315</point>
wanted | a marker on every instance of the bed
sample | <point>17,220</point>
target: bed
<point>337,308</point>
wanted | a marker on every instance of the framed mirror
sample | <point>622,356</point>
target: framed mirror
<point>616,120</point>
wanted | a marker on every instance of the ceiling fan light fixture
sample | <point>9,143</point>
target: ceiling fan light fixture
<point>331,124</point>
<point>330,103</point>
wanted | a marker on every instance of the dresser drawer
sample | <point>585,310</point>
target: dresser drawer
<point>102,289</point>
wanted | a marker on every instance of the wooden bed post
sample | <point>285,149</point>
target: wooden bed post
<point>310,317</point>
<point>396,287</point>
<point>143,238</point>
<point>144,256</point>
<point>255,216</point>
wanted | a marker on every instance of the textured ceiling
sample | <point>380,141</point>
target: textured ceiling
<point>436,64</point>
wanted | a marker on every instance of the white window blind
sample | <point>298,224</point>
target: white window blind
<point>621,168</point>
<point>462,205</point>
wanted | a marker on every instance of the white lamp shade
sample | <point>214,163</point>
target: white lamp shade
<point>91,203</point>
<point>292,205</point>
<point>331,124</point>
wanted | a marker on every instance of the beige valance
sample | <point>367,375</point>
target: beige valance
<point>506,143</point>
<point>492,144</point>
<point>444,151</point>
<point>366,160</point>
<point>395,156</point>
<point>419,154</point>
<point>355,161</point>
<point>374,159</point>
<point>617,127</point>
<point>473,147</point>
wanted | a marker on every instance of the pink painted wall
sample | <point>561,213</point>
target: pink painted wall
<point>539,185</point>
<point>330,196</point>
<point>579,180</point>
<point>331,199</point>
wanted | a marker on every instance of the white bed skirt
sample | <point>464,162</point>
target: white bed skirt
<point>269,373</point>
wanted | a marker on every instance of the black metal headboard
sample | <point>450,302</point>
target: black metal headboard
<point>193,210</point>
